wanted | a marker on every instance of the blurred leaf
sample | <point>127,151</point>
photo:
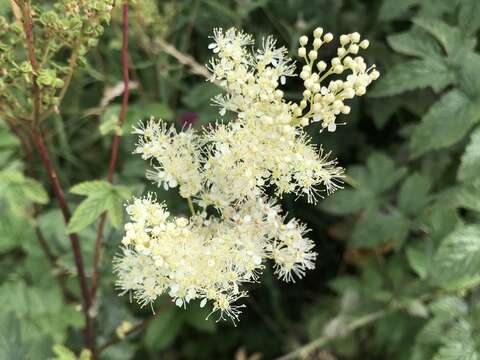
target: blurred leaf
<point>468,16</point>
<point>419,260</point>
<point>12,346</point>
<point>383,173</point>
<point>469,81</point>
<point>455,43</point>
<point>459,255</point>
<point>469,196</point>
<point>163,330</point>
<point>63,353</point>
<point>392,9</point>
<point>14,186</point>
<point>413,195</point>
<point>446,123</point>
<point>415,42</point>
<point>347,201</point>
<point>412,75</point>
<point>40,311</point>
<point>109,121</point>
<point>459,343</point>
<point>196,316</point>
<point>376,228</point>
<point>470,166</point>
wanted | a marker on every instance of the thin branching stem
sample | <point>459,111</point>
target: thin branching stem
<point>38,139</point>
<point>114,149</point>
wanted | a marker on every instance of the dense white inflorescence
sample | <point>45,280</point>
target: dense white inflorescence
<point>229,167</point>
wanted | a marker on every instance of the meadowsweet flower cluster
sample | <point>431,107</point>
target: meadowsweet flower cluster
<point>231,168</point>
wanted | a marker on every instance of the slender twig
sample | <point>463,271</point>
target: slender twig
<point>114,151</point>
<point>184,59</point>
<point>304,351</point>
<point>135,329</point>
<point>74,241</point>
<point>72,62</point>
<point>190,205</point>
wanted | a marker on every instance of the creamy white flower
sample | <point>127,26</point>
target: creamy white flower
<point>229,166</point>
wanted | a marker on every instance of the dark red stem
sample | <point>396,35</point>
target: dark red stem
<point>37,137</point>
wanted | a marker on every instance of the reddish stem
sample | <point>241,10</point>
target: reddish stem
<point>114,149</point>
<point>37,137</point>
<point>52,259</point>
<point>39,142</point>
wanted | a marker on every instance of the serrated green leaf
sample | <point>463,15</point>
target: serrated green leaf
<point>413,195</point>
<point>470,165</point>
<point>412,75</point>
<point>123,191</point>
<point>87,212</point>
<point>446,123</point>
<point>347,201</point>
<point>91,187</point>
<point>458,255</point>
<point>101,196</point>
<point>376,228</point>
<point>382,172</point>
<point>114,206</point>
<point>455,43</point>
<point>415,42</point>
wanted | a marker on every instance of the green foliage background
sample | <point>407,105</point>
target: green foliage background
<point>401,241</point>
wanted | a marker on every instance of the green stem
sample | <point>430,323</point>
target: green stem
<point>190,205</point>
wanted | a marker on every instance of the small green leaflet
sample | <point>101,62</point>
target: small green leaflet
<point>101,196</point>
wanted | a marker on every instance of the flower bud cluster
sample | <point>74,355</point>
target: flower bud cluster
<point>325,102</point>
<point>70,25</point>
<point>228,167</point>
